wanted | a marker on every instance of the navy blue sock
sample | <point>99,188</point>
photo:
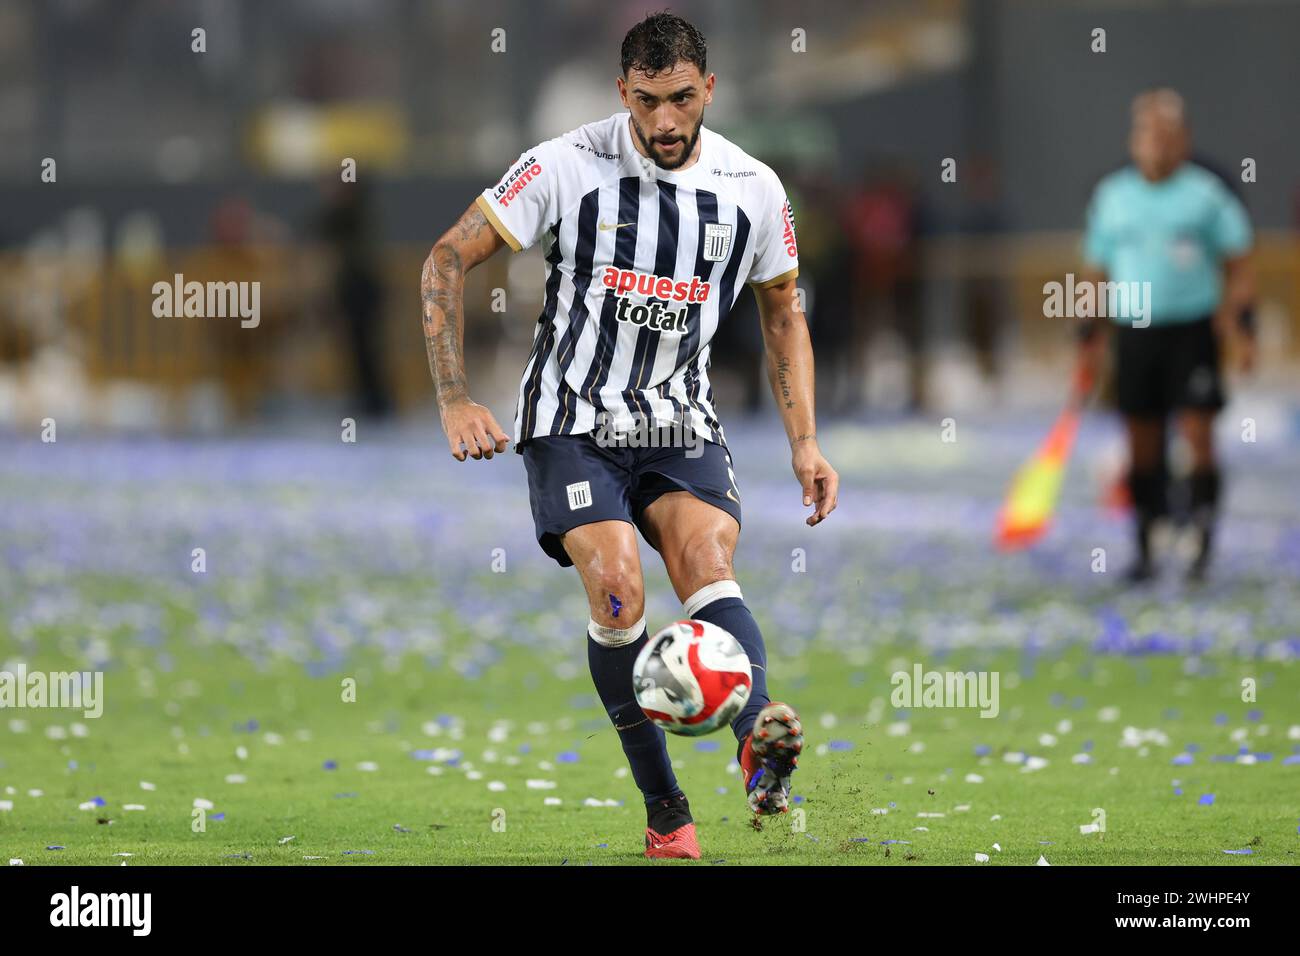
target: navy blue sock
<point>730,614</point>
<point>643,742</point>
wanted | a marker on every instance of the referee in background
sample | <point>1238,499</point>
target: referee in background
<point>1172,223</point>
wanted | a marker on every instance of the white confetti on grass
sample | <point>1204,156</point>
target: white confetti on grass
<point>1042,861</point>
<point>284,840</point>
<point>496,786</point>
<point>923,815</point>
<point>552,802</point>
<point>920,829</point>
<point>1089,828</point>
<point>146,785</point>
<point>133,807</point>
<point>474,775</point>
<point>880,811</point>
<point>368,766</point>
<point>14,862</point>
<point>6,805</point>
<point>594,802</point>
<point>236,778</point>
<point>1033,763</point>
<point>88,805</point>
<point>1108,715</point>
<point>962,808</point>
<point>981,857</point>
<point>241,752</point>
<point>202,803</point>
<point>541,784</point>
<point>974,778</point>
<point>1081,758</point>
<point>996,817</point>
<point>433,770</point>
<point>998,847</point>
<point>35,793</point>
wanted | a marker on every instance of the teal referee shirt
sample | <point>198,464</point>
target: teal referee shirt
<point>1174,234</point>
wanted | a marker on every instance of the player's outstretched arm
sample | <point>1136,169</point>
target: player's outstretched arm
<point>790,373</point>
<point>442,291</point>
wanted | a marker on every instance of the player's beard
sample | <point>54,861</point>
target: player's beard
<point>649,145</point>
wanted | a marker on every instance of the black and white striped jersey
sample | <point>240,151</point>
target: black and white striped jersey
<point>642,264</point>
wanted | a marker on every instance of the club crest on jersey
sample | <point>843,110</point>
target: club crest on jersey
<point>717,241</point>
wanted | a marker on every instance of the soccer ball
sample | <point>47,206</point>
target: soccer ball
<point>692,678</point>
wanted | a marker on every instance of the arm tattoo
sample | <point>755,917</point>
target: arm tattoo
<point>783,376</point>
<point>442,289</point>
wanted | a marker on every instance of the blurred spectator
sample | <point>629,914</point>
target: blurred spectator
<point>347,226</point>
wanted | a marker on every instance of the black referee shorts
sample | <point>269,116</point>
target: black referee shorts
<point>1161,368</point>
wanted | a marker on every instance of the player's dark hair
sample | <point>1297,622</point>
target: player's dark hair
<point>661,40</point>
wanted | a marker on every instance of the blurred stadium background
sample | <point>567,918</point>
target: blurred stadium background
<point>925,303</point>
<point>923,295</point>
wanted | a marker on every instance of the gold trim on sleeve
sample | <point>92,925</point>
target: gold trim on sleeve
<point>778,280</point>
<point>497,224</point>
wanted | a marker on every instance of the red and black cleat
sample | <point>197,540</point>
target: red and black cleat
<point>768,757</point>
<point>681,844</point>
<point>670,831</point>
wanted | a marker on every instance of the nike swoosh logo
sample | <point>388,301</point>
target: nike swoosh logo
<point>607,226</point>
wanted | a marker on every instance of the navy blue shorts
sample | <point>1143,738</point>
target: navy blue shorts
<point>574,480</point>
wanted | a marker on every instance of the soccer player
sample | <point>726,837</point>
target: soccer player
<point>650,223</point>
<point>1168,222</point>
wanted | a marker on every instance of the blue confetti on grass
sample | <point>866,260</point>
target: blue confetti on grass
<point>1206,800</point>
<point>358,852</point>
<point>1247,851</point>
<point>569,756</point>
<point>56,847</point>
<point>330,765</point>
<point>841,745</point>
<point>707,746</point>
<point>217,816</point>
<point>1182,760</point>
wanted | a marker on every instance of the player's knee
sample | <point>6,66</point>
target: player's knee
<point>706,558</point>
<point>616,591</point>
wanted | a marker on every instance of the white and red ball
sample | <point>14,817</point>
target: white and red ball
<point>692,678</point>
